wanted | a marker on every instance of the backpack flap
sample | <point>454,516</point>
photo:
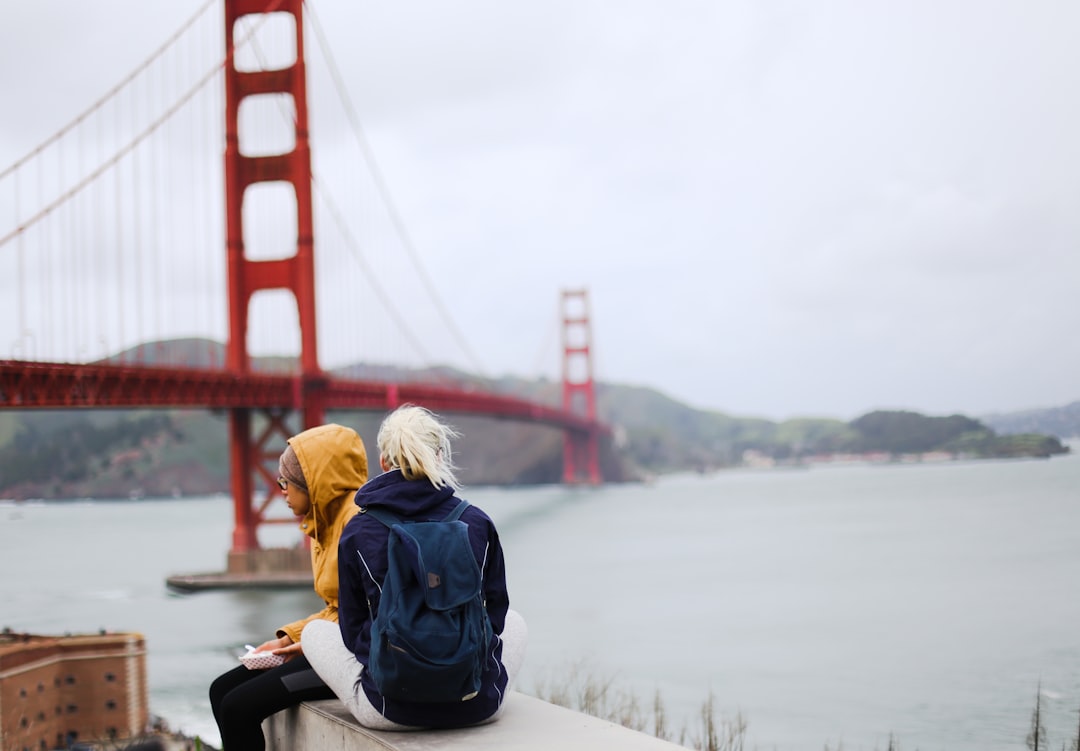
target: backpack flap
<point>442,561</point>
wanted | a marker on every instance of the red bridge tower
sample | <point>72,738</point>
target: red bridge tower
<point>581,460</point>
<point>253,457</point>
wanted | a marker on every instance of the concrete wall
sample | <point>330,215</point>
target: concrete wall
<point>526,723</point>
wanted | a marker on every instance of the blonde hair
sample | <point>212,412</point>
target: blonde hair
<point>413,440</point>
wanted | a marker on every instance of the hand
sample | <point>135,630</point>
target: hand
<point>291,651</point>
<point>274,645</point>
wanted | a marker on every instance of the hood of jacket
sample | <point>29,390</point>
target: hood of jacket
<point>406,498</point>
<point>334,462</point>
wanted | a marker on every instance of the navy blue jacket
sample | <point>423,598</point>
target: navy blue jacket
<point>362,568</point>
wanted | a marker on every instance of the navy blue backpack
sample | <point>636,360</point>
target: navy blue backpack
<point>430,636</point>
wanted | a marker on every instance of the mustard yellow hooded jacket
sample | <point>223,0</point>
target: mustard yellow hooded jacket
<point>334,463</point>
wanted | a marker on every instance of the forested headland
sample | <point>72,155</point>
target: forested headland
<point>54,454</point>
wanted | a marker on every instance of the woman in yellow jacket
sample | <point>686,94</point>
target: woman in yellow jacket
<point>320,471</point>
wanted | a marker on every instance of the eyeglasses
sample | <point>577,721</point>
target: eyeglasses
<point>283,483</point>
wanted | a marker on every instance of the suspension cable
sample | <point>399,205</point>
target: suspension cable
<point>109,94</point>
<point>114,159</point>
<point>353,245</point>
<point>384,193</point>
<point>128,148</point>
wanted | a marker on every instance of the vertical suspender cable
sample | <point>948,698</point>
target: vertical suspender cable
<point>118,250</point>
<point>153,247</point>
<point>100,255</point>
<point>60,314</point>
<point>86,279</point>
<point>199,270</point>
<point>136,213</point>
<point>20,256</point>
<point>76,251</point>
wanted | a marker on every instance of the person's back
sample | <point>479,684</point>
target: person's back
<point>364,560</point>
<point>418,485</point>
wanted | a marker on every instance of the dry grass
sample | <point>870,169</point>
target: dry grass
<point>581,689</point>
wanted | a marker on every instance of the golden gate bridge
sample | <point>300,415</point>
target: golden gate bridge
<point>113,235</point>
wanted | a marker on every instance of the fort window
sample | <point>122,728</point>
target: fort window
<point>110,677</point>
<point>72,708</point>
<point>24,722</point>
<point>41,688</point>
<point>110,704</point>
<point>69,680</point>
<point>22,693</point>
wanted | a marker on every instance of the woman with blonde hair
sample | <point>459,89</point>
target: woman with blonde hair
<point>418,484</point>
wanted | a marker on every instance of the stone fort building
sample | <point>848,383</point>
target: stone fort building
<point>59,690</point>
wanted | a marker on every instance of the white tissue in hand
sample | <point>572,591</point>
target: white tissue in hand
<point>261,660</point>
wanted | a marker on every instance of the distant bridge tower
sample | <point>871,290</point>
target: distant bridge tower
<point>296,273</point>
<point>581,454</point>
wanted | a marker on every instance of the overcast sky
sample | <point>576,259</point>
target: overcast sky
<point>779,209</point>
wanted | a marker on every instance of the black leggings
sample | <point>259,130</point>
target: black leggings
<point>243,698</point>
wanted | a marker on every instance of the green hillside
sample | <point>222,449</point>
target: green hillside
<point>154,453</point>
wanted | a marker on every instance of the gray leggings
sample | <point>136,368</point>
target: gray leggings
<point>340,670</point>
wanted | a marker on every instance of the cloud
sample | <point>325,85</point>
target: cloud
<point>778,208</point>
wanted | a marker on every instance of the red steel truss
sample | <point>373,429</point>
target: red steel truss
<point>44,385</point>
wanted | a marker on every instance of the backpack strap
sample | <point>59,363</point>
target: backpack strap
<point>384,516</point>
<point>389,520</point>
<point>457,512</point>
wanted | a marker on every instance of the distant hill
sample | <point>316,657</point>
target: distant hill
<point>152,453</point>
<point>663,435</point>
<point>1063,422</point>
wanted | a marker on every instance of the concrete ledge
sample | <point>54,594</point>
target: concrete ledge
<point>526,723</point>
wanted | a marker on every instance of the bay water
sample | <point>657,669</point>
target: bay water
<point>828,607</point>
